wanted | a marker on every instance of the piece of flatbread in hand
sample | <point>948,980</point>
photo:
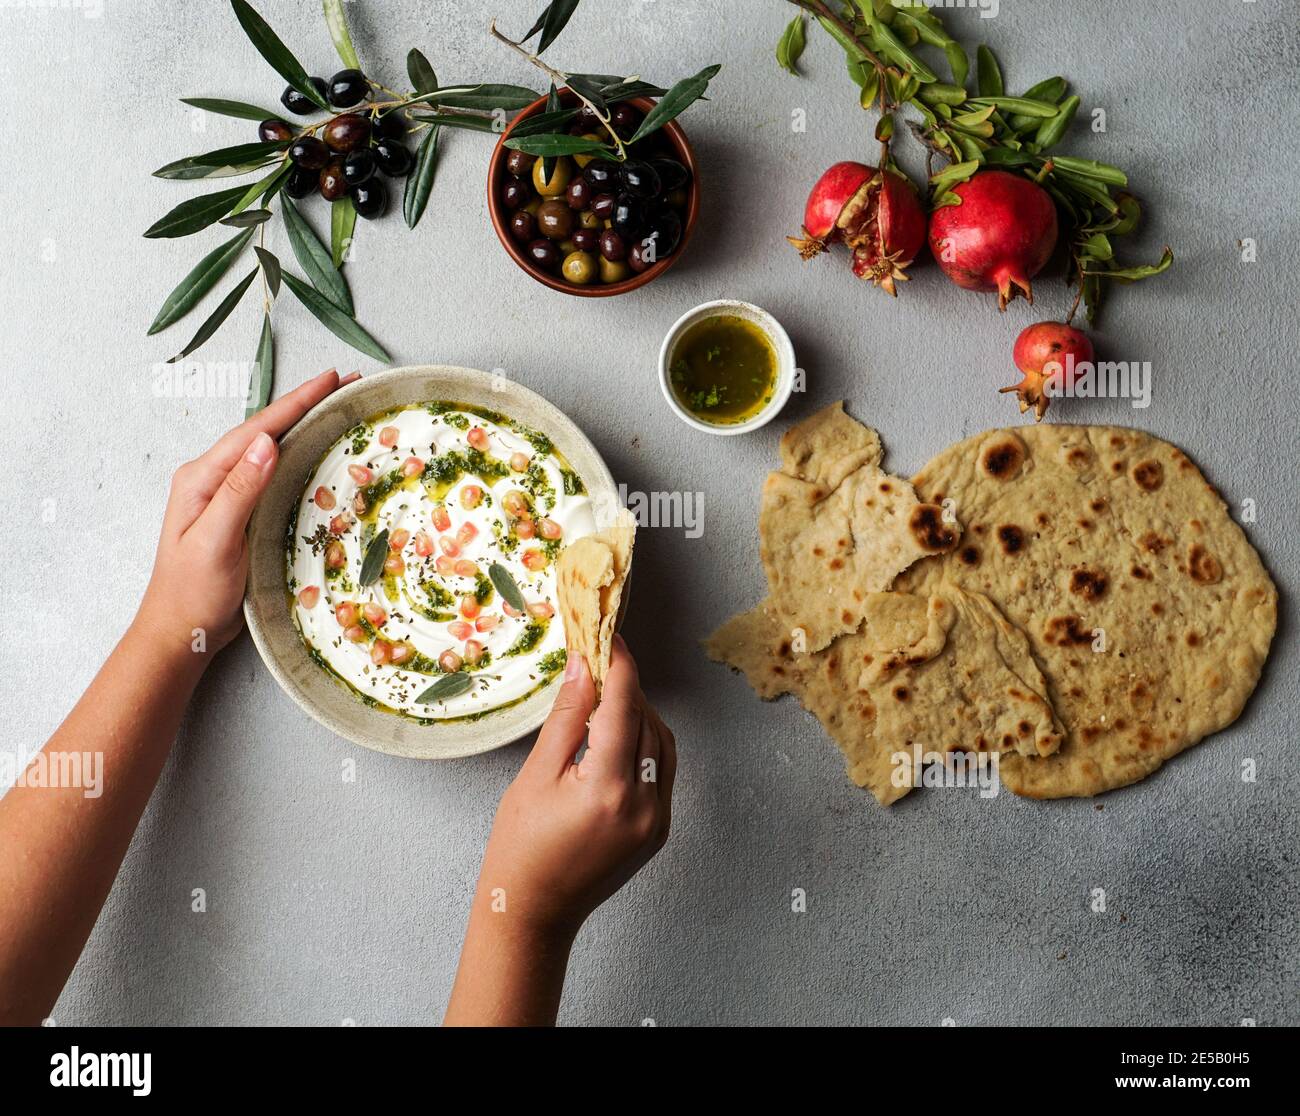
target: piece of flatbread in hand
<point>942,673</point>
<point>591,577</point>
<point>835,527</point>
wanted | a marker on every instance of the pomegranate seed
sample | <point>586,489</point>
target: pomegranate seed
<point>534,560</point>
<point>469,606</point>
<point>549,529</point>
<point>449,661</point>
<point>388,436</point>
<point>515,503</point>
<point>466,533</point>
<point>541,609</point>
<point>445,566</point>
<point>471,496</point>
<point>441,520</point>
<point>460,630</point>
<point>423,543</point>
<point>473,650</point>
<point>359,504</point>
<point>400,652</point>
<point>324,499</point>
<point>449,548</point>
<point>519,462</point>
<point>486,623</point>
<point>345,614</point>
<point>381,652</point>
<point>375,614</point>
<point>525,528</point>
<point>356,634</point>
<point>340,523</point>
<point>310,596</point>
<point>393,564</point>
<point>510,610</point>
<point>360,474</point>
<point>335,556</point>
<point>465,568</point>
<point>412,467</point>
<point>399,539</point>
<point>478,438</point>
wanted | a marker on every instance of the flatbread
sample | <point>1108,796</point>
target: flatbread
<point>1143,602</point>
<point>937,674</point>
<point>834,526</point>
<point>590,577</point>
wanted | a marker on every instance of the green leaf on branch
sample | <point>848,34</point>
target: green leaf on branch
<point>1042,110</point>
<point>247,219</point>
<point>315,258</point>
<point>238,109</point>
<point>337,21</point>
<point>988,74</point>
<point>263,374</point>
<point>958,63</point>
<point>224,162</point>
<point>343,224</point>
<point>508,98</point>
<point>458,120</point>
<point>1090,168</point>
<point>195,214</point>
<point>679,98</point>
<point>205,275</point>
<point>423,79</point>
<point>1052,131</point>
<point>219,315</point>
<point>270,47</point>
<point>332,318</point>
<point>551,146</point>
<point>270,268</point>
<point>1133,274</point>
<point>551,22</point>
<point>791,46</point>
<point>419,183</point>
<point>543,122</point>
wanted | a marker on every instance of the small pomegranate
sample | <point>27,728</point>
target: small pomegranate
<point>1045,350</point>
<point>874,213</point>
<point>998,238</point>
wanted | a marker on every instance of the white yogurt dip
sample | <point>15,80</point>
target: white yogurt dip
<point>463,493</point>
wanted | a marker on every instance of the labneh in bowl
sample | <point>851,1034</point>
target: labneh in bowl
<point>669,140</point>
<point>267,601</point>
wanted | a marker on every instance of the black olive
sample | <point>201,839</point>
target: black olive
<point>301,182</point>
<point>628,217</point>
<point>602,205</point>
<point>393,159</point>
<point>391,126</point>
<point>579,194</point>
<point>640,179</point>
<point>309,152</point>
<point>665,228</point>
<point>586,240</point>
<point>520,163</point>
<point>586,120</point>
<point>637,258</point>
<point>602,174</point>
<point>515,193</point>
<point>625,119</point>
<point>370,198</point>
<point>348,88</point>
<point>301,105</point>
<point>523,226</point>
<point>544,254</point>
<point>348,132</point>
<point>359,166</point>
<point>612,246</point>
<point>672,174</point>
<point>274,131</point>
<point>332,183</point>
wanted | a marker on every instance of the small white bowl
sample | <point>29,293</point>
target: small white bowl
<point>781,345</point>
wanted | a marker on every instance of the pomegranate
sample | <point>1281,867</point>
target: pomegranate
<point>1045,350</point>
<point>998,238</point>
<point>874,213</point>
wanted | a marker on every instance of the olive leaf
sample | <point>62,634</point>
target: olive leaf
<point>790,48</point>
<point>627,88</point>
<point>219,315</point>
<point>315,258</point>
<point>332,318</point>
<point>423,79</point>
<point>195,215</point>
<point>337,21</point>
<point>543,122</point>
<point>205,275</point>
<point>248,219</point>
<point>266,188</point>
<point>270,47</point>
<point>507,587</point>
<point>448,686</point>
<point>419,183</point>
<point>238,109</point>
<point>248,156</point>
<point>259,383</point>
<point>551,22</point>
<point>589,91</point>
<point>554,145</point>
<point>372,565</point>
<point>988,74</point>
<point>343,223</point>
<point>458,120</point>
<point>680,97</point>
<point>270,268</point>
<point>552,105</point>
<point>508,98</point>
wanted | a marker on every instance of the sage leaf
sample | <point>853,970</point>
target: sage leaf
<point>332,318</point>
<point>270,268</point>
<point>247,219</point>
<point>507,587</point>
<point>372,565</point>
<point>195,214</point>
<point>448,686</point>
<point>791,46</point>
<point>988,74</point>
<point>206,275</point>
<point>343,223</point>
<point>554,145</point>
<point>249,155</point>
<point>423,79</point>
<point>315,258</point>
<point>259,383</point>
<point>337,21</point>
<point>270,47</point>
<point>237,109</point>
<point>219,315</point>
<point>419,183</point>
<point>680,97</point>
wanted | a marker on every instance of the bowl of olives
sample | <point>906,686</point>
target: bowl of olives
<point>596,227</point>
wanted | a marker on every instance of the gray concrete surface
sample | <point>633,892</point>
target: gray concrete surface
<point>330,901</point>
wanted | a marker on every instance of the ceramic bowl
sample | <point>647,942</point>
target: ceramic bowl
<point>266,604</point>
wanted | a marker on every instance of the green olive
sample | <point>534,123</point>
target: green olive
<point>568,247</point>
<point>588,220</point>
<point>559,181</point>
<point>583,160</point>
<point>613,271</point>
<point>579,268</point>
<point>533,206</point>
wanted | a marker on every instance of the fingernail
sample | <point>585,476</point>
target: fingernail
<point>261,451</point>
<point>573,667</point>
<point>350,378</point>
<point>328,372</point>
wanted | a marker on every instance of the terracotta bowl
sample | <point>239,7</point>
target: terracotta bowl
<point>266,604</point>
<point>497,175</point>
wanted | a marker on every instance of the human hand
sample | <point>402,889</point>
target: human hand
<point>567,836</point>
<point>202,561</point>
